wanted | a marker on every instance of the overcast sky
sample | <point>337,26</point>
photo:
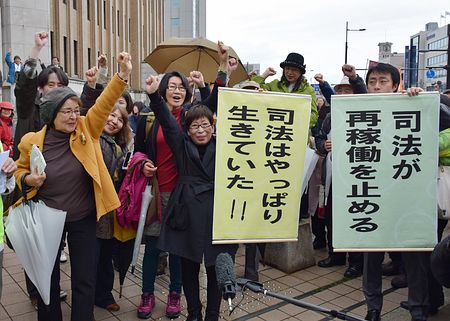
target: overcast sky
<point>265,31</point>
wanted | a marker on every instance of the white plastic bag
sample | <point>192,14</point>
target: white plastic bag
<point>311,159</point>
<point>444,192</point>
<point>37,160</point>
<point>35,232</point>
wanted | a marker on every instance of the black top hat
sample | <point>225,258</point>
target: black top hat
<point>295,60</point>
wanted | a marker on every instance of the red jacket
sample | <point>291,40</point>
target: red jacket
<point>6,135</point>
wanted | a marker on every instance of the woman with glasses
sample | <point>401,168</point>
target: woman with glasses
<point>187,222</point>
<point>75,180</point>
<point>175,91</point>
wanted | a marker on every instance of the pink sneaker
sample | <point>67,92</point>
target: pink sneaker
<point>173,307</point>
<point>146,306</point>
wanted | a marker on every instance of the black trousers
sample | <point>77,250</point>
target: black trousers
<point>105,273</point>
<point>253,253</point>
<point>424,292</point>
<point>191,288</point>
<point>82,247</point>
<point>318,228</point>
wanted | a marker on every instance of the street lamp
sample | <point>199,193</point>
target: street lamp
<point>346,37</point>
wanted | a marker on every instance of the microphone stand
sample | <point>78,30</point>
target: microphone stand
<point>259,288</point>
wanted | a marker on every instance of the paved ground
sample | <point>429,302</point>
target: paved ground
<point>325,287</point>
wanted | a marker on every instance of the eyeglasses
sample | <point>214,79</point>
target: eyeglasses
<point>197,126</point>
<point>68,112</point>
<point>173,87</point>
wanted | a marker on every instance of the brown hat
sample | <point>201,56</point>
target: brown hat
<point>249,84</point>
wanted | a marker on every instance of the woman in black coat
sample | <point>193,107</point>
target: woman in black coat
<point>187,227</point>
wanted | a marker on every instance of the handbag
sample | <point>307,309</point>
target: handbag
<point>443,189</point>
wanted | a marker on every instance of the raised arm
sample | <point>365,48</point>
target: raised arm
<point>27,87</point>
<point>91,90</point>
<point>98,114</point>
<point>325,87</point>
<point>197,78</point>
<point>172,132</point>
<point>226,67</point>
<point>357,83</point>
<point>261,79</point>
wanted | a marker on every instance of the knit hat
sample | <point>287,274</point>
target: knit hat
<point>52,102</point>
<point>295,60</point>
<point>345,82</point>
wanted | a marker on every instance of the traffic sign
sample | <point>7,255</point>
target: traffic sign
<point>431,73</point>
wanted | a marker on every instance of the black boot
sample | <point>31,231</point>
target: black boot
<point>195,316</point>
<point>212,316</point>
<point>373,315</point>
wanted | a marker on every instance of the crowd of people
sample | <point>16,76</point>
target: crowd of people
<point>85,142</point>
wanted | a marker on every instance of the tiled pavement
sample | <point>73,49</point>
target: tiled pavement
<point>324,287</point>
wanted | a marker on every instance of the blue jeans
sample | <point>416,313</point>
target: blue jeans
<point>150,267</point>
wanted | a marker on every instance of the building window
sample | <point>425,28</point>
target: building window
<point>74,4</point>
<point>75,57</point>
<point>52,43</point>
<point>98,12</point>
<point>104,14</point>
<point>175,22</point>
<point>65,53</point>
<point>113,19</point>
<point>88,7</point>
<point>118,23</point>
<point>89,58</point>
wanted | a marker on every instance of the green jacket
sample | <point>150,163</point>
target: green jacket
<point>304,88</point>
<point>444,147</point>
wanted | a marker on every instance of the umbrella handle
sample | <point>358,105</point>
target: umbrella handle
<point>193,93</point>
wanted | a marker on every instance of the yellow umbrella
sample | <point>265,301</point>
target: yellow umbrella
<point>187,54</point>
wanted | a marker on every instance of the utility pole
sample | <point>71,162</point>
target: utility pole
<point>447,67</point>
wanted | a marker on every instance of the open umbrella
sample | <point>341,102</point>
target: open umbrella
<point>146,199</point>
<point>187,54</point>
<point>35,232</point>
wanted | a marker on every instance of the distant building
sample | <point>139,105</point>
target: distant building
<point>80,30</point>
<point>252,67</point>
<point>184,18</point>
<point>419,60</point>
<point>386,55</point>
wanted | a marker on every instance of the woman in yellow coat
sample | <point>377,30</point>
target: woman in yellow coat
<point>76,180</point>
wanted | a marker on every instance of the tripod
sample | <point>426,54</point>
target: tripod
<point>258,288</point>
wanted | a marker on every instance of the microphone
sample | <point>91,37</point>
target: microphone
<point>251,285</point>
<point>226,279</point>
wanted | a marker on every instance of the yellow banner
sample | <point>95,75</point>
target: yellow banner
<point>261,142</point>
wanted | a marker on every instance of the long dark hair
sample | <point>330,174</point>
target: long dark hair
<point>124,136</point>
<point>286,82</point>
<point>165,81</point>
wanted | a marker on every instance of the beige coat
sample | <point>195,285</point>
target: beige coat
<point>84,143</point>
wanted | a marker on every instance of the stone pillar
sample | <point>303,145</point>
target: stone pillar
<point>290,257</point>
